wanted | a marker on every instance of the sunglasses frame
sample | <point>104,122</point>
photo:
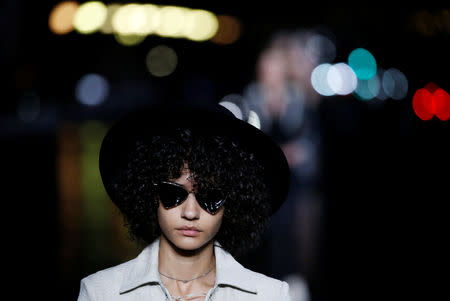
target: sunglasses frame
<point>202,204</point>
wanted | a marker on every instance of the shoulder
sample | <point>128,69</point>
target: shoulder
<point>109,274</point>
<point>268,286</point>
<point>234,278</point>
<point>104,281</point>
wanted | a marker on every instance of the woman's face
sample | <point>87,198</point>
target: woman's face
<point>188,214</point>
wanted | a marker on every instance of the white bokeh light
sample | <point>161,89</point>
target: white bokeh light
<point>341,79</point>
<point>253,119</point>
<point>319,80</point>
<point>233,108</point>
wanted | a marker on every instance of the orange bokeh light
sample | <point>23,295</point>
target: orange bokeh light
<point>229,30</point>
<point>61,16</point>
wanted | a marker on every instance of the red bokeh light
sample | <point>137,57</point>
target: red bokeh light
<point>441,99</point>
<point>430,101</point>
<point>422,104</point>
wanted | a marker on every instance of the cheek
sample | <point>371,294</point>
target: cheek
<point>217,222</point>
<point>164,219</point>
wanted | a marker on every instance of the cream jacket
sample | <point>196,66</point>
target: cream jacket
<point>138,279</point>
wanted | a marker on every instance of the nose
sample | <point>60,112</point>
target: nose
<point>190,208</point>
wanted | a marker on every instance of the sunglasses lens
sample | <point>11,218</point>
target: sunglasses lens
<point>211,201</point>
<point>171,195</point>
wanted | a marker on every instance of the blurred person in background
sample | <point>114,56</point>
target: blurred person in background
<point>197,186</point>
<point>288,110</point>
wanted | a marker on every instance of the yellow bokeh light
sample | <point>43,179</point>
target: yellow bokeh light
<point>172,21</point>
<point>107,27</point>
<point>90,17</point>
<point>136,19</point>
<point>161,60</point>
<point>61,17</point>
<point>200,25</point>
<point>129,22</point>
<point>129,39</point>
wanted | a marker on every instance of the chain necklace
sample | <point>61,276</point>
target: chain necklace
<point>188,296</point>
<point>189,280</point>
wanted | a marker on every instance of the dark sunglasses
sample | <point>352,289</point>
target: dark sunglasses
<point>173,194</point>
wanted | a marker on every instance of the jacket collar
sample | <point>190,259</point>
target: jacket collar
<point>144,270</point>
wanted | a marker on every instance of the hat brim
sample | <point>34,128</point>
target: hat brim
<point>121,139</point>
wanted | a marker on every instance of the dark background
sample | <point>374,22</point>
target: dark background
<point>386,171</point>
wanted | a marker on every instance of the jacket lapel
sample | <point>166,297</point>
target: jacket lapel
<point>229,272</point>
<point>143,269</point>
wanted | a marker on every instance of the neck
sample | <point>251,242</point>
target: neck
<point>184,264</point>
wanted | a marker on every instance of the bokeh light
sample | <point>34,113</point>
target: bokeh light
<point>229,30</point>
<point>172,21</point>
<point>90,17</point>
<point>61,17</point>
<point>161,60</point>
<point>136,19</point>
<point>363,63</point>
<point>129,39</point>
<point>200,25</point>
<point>431,100</point>
<point>254,119</point>
<point>394,83</point>
<point>368,89</point>
<point>319,80</point>
<point>92,89</point>
<point>233,108</point>
<point>422,104</point>
<point>441,100</point>
<point>322,48</point>
<point>341,79</point>
<point>143,19</point>
<point>107,27</point>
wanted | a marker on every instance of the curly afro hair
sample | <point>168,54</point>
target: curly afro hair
<point>214,162</point>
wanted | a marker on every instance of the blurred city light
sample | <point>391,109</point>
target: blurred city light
<point>96,206</point>
<point>422,104</point>
<point>322,48</point>
<point>385,84</point>
<point>363,63</point>
<point>92,89</point>
<point>107,27</point>
<point>129,39</point>
<point>61,17</point>
<point>341,79</point>
<point>90,17</point>
<point>254,119</point>
<point>172,21</point>
<point>200,25</point>
<point>441,104</point>
<point>429,23</point>
<point>136,19</point>
<point>233,108</point>
<point>430,101</point>
<point>161,60</point>
<point>368,89</point>
<point>142,20</point>
<point>319,80</point>
<point>394,83</point>
<point>228,31</point>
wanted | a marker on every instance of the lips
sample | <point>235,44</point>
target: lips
<point>189,231</point>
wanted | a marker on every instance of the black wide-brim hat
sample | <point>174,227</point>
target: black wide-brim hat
<point>142,124</point>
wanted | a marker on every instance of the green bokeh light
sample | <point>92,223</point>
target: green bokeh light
<point>363,63</point>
